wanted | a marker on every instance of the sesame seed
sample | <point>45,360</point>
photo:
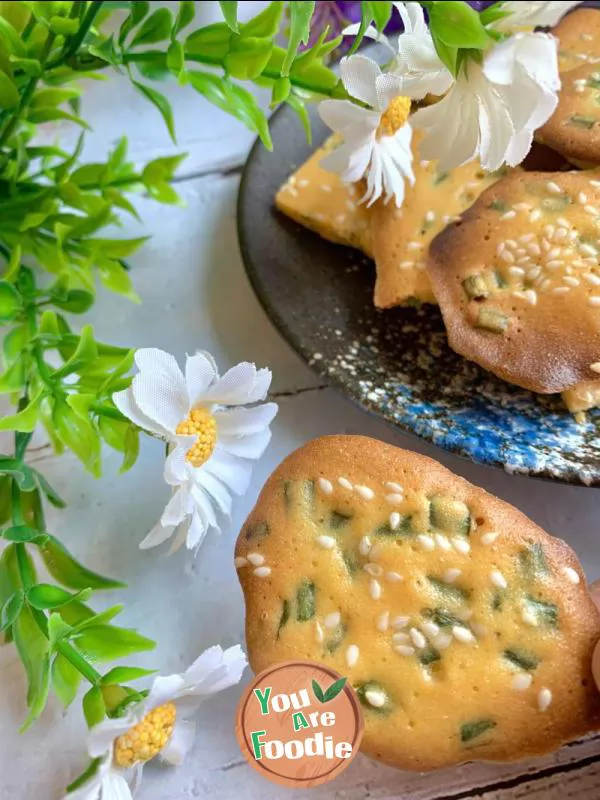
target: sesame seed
<point>376,551</point>
<point>546,245</point>
<point>256,559</point>
<point>554,264</point>
<point>553,188</point>
<point>332,620</point>
<point>464,614</point>
<point>489,538</point>
<point>594,300</point>
<point>509,214</point>
<point>375,698</point>
<point>407,264</point>
<point>478,629</point>
<point>569,572</point>
<point>446,219</point>
<point>373,569</point>
<point>443,542</point>
<point>522,682</point>
<point>418,639</point>
<point>430,216</point>
<point>394,577</point>
<point>383,621</point>
<point>365,492</point>
<point>545,284</point>
<point>352,654</point>
<point>498,580</point>
<point>326,542</point>
<point>424,162</point>
<point>501,248</point>
<point>414,246</point>
<point>534,273</point>
<point>560,290</point>
<point>563,223</point>
<point>524,261</point>
<point>375,589</point>
<point>326,187</point>
<point>400,622</point>
<point>364,546</point>
<point>395,519</point>
<point>450,575</point>
<point>345,484</point>
<point>394,499</point>
<point>462,635</point>
<point>461,545</point>
<point>404,650</point>
<point>394,487</point>
<point>529,618</point>
<point>262,572</point>
<point>570,281</point>
<point>507,256</point>
<point>591,210</point>
<point>399,638</point>
<point>544,699</point>
<point>426,542</point>
<point>535,215</point>
<point>325,486</point>
<point>529,295</point>
<point>518,272</point>
<point>533,249</point>
<point>591,278</point>
<point>430,628</point>
<point>595,184</point>
<point>523,207</point>
<point>527,237</point>
<point>549,231</point>
<point>240,561</point>
<point>582,197</point>
<point>442,641</point>
<point>560,234</point>
<point>318,631</point>
<point>588,249</point>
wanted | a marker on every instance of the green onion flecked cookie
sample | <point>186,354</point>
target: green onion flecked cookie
<point>466,630</point>
<point>578,35</point>
<point>518,280</point>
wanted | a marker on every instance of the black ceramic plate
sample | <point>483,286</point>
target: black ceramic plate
<point>397,363</point>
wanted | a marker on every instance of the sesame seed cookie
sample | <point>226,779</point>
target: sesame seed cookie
<point>518,280</point>
<point>322,202</point>
<point>574,128</point>
<point>578,35</point>
<point>466,630</point>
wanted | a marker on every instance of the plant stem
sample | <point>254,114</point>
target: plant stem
<point>81,664</point>
<point>74,41</point>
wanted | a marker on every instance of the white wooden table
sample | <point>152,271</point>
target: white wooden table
<point>195,295</point>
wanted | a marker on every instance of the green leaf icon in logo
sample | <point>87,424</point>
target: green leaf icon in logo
<point>330,693</point>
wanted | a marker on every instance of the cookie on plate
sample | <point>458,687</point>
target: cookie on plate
<point>518,280</point>
<point>466,630</point>
<point>578,35</point>
<point>321,201</point>
<point>574,128</point>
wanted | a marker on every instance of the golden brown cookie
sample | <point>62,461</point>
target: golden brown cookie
<point>466,630</point>
<point>518,280</point>
<point>582,397</point>
<point>574,128</point>
<point>321,201</point>
<point>578,34</point>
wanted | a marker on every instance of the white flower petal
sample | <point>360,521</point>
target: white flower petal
<point>370,33</point>
<point>197,530</point>
<point>176,465</point>
<point>160,400</point>
<point>214,670</point>
<point>163,690</point>
<point>102,735</point>
<point>177,508</point>
<point>496,130</point>
<point>115,787</point>
<point>340,115</point>
<point>180,538</point>
<point>413,17</point>
<point>200,372</point>
<point>387,87</point>
<point>240,384</point>
<point>243,421</point>
<point>158,535</point>
<point>359,160</point>
<point>217,491</point>
<point>126,404</point>
<point>153,360</point>
<point>232,471</point>
<point>251,446</point>
<point>535,13</point>
<point>180,743</point>
<point>359,74</point>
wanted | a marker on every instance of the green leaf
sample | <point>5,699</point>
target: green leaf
<point>94,764</point>
<point>176,57</point>
<point>31,66</point>
<point>53,497</point>
<point>9,94</point>
<point>10,302</point>
<point>46,595</point>
<point>266,23</point>
<point>107,642</point>
<point>233,99</point>
<point>11,609</point>
<point>94,619</point>
<point>13,378</point>
<point>78,435</point>
<point>318,692</point>
<point>156,28</point>
<point>64,26</point>
<point>85,352</point>
<point>281,90</point>
<point>66,570</point>
<point>161,169</point>
<point>10,38</point>
<point>65,679</point>
<point>247,57</point>
<point>38,115</point>
<point>75,301</point>
<point>298,106</point>
<point>366,17</point>
<point>161,103</point>
<point>94,709</point>
<point>20,472</point>
<point>333,691</point>
<point>13,264</point>
<point>211,41</point>
<point>382,11</point>
<point>187,10</point>
<point>117,279</point>
<point>300,17</point>
<point>25,420</point>
<point>33,648</point>
<point>22,533</point>
<point>456,24</point>
<point>124,674</point>
<point>46,98</point>
<point>58,629</point>
<point>229,9</point>
<point>139,9</point>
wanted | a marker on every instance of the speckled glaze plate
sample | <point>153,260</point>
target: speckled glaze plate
<point>395,364</point>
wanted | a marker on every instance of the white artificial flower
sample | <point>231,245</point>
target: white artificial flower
<point>493,109</point>
<point>376,140</point>
<point>166,714</point>
<point>211,435</point>
<point>533,14</point>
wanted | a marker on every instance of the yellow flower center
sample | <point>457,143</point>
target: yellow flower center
<point>146,739</point>
<point>394,117</point>
<point>203,425</point>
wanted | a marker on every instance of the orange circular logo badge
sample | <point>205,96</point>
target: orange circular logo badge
<point>299,723</point>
